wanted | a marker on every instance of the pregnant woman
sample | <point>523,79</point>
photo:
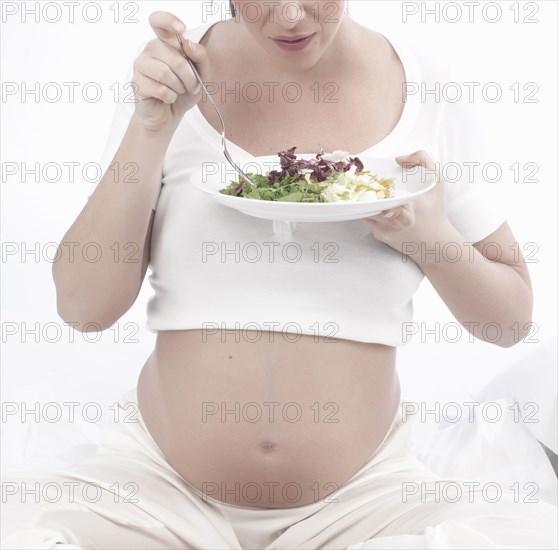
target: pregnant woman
<point>268,415</point>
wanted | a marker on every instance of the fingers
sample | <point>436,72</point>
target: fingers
<point>393,213</point>
<point>418,158</point>
<point>197,54</point>
<point>400,217</point>
<point>166,65</point>
<point>167,49</point>
<point>166,26</point>
<point>149,88</point>
<point>159,71</point>
<point>395,218</point>
<point>175,60</point>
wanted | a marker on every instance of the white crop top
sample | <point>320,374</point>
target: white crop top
<point>214,267</point>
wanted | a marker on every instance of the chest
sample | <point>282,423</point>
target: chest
<point>265,117</point>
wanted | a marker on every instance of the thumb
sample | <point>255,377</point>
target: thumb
<point>197,54</point>
<point>165,25</point>
<point>418,158</point>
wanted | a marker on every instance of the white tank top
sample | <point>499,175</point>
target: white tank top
<point>213,267</point>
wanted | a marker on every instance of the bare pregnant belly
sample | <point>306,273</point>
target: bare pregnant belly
<point>267,424</point>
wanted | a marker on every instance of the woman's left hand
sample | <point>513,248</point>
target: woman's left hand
<point>420,222</point>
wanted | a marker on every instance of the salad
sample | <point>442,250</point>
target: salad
<point>330,177</point>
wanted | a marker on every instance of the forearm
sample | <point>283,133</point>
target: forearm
<point>97,279</point>
<point>479,293</point>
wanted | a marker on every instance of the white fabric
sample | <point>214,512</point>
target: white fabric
<point>366,295</point>
<point>161,510</point>
<point>531,385</point>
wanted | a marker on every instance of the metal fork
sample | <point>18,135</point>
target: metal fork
<point>223,139</point>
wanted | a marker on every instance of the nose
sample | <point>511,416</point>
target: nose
<point>288,13</point>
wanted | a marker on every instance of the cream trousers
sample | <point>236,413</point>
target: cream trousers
<point>128,497</point>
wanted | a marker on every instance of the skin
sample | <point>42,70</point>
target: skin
<point>185,372</point>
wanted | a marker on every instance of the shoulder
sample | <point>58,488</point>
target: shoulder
<point>426,69</point>
<point>427,76</point>
<point>207,30</point>
<point>196,33</point>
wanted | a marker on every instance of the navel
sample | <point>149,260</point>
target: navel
<point>268,446</point>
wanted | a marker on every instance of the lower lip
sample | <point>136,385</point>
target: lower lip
<point>295,46</point>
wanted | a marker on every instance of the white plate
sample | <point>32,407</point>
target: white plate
<point>409,184</point>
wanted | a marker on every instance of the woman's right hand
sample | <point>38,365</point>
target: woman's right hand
<point>166,87</point>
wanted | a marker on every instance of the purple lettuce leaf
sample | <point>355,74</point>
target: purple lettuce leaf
<point>320,167</point>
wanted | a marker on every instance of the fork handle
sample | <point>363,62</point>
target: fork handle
<point>223,139</point>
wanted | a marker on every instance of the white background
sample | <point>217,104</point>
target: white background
<point>504,52</point>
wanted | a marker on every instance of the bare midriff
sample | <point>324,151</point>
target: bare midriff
<point>267,422</point>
